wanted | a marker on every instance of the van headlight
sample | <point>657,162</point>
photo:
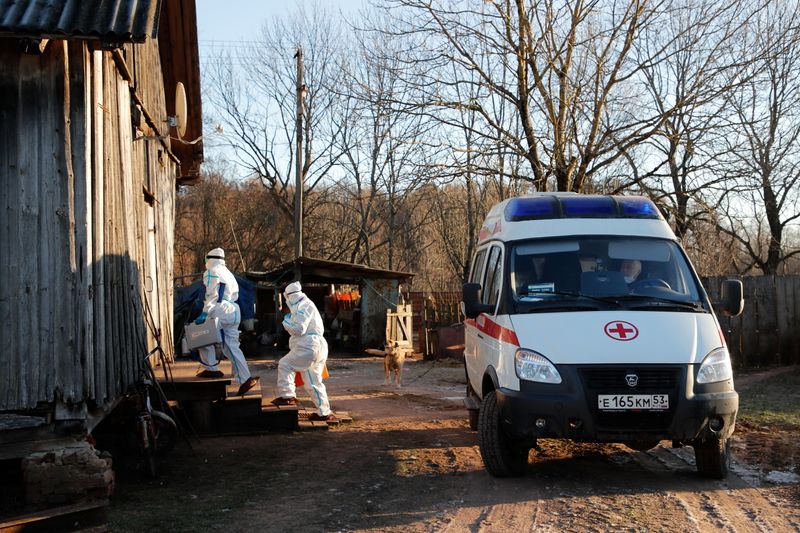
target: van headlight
<point>532,366</point>
<point>715,367</point>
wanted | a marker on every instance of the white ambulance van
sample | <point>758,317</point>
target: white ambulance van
<point>586,321</point>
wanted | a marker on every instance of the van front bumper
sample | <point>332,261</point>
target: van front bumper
<point>570,410</point>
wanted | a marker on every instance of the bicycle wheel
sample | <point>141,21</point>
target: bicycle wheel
<point>165,431</point>
<point>150,462</point>
<point>147,444</point>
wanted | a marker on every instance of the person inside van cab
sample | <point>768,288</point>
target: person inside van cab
<point>631,268</point>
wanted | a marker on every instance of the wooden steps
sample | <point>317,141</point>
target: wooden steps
<point>80,517</point>
<point>213,407</point>
<point>186,386</point>
<point>342,417</point>
<point>281,417</point>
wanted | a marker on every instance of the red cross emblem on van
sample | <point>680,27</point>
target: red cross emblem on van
<point>621,331</point>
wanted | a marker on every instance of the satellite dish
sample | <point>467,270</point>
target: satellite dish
<point>180,109</point>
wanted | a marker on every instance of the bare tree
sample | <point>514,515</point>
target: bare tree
<point>680,165</point>
<point>383,149</point>
<point>200,213</point>
<point>252,93</point>
<point>237,216</point>
<point>568,70</point>
<point>764,141</point>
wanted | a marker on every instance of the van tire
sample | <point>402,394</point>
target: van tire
<point>713,457</point>
<point>501,456</point>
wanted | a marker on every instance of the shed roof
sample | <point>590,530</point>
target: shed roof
<point>323,271</point>
<point>113,20</point>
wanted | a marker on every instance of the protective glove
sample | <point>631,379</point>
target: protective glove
<point>201,318</point>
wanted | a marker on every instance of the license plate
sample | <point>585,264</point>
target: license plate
<point>618,402</point>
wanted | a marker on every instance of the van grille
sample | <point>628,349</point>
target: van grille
<point>611,380</point>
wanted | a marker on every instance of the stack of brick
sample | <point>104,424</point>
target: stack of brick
<point>76,473</point>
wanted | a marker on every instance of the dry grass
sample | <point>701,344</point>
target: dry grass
<point>773,401</point>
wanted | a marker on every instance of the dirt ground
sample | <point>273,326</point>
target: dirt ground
<point>409,463</point>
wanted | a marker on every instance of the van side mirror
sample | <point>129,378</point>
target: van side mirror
<point>471,297</point>
<point>732,296</point>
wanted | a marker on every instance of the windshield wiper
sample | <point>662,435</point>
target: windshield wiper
<point>661,302</point>
<point>559,306</point>
<point>603,299</point>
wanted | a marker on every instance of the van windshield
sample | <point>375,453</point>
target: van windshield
<point>636,273</point>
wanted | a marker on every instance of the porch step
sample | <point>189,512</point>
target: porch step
<point>80,517</point>
<point>186,386</point>
<point>342,417</point>
<point>279,417</point>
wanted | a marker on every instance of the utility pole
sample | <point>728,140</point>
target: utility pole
<point>298,192</point>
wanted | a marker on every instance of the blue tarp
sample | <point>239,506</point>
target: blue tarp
<point>188,302</point>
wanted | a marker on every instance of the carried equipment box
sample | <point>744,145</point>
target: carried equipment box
<point>200,335</point>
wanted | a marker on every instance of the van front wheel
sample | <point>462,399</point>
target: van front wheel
<point>712,457</point>
<point>502,457</point>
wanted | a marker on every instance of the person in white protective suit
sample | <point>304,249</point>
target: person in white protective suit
<point>221,294</point>
<point>308,352</point>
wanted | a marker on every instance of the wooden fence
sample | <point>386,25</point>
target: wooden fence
<point>399,333</point>
<point>432,310</point>
<point>767,333</point>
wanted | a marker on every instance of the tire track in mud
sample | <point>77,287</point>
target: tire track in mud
<point>490,504</point>
<point>731,505</point>
<point>508,517</point>
<point>480,514</point>
<point>606,488</point>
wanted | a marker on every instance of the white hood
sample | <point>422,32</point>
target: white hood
<point>633,336</point>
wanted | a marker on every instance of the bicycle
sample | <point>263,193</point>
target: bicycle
<point>156,432</point>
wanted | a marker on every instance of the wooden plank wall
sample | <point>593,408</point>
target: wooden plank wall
<point>73,228</point>
<point>157,178</point>
<point>768,331</point>
<point>39,352</point>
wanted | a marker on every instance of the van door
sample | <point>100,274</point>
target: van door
<point>470,330</point>
<point>488,346</point>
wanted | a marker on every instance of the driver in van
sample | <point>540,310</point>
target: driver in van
<point>631,268</point>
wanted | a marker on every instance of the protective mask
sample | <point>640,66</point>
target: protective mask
<point>629,279</point>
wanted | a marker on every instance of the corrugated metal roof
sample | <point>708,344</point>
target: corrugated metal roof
<point>324,271</point>
<point>113,20</point>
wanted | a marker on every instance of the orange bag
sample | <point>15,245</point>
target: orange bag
<point>298,378</point>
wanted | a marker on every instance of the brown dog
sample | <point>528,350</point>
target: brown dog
<point>393,361</point>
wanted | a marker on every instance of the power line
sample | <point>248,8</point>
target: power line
<point>247,44</point>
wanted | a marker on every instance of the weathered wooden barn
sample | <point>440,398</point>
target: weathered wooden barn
<point>89,165</point>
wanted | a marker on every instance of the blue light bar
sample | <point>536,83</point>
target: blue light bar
<point>528,208</point>
<point>589,207</point>
<point>637,207</point>
<point>580,206</point>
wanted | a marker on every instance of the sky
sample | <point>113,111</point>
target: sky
<point>220,23</point>
<point>234,20</point>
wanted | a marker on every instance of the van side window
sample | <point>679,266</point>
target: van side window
<point>493,275</point>
<point>477,267</point>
